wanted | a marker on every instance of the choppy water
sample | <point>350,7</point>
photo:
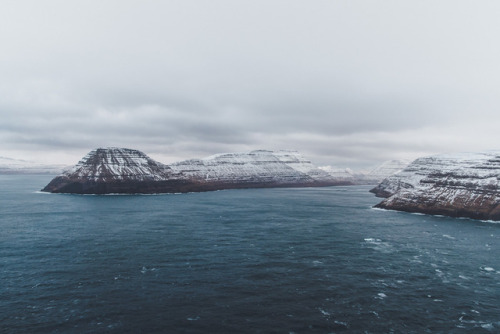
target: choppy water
<point>315,260</point>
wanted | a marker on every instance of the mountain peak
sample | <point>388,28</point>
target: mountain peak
<point>115,163</point>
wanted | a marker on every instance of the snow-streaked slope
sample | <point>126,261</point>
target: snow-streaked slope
<point>465,184</point>
<point>254,166</point>
<point>116,164</point>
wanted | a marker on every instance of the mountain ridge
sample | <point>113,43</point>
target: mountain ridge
<point>121,170</point>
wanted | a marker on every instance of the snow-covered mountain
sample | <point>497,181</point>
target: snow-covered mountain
<point>16,166</point>
<point>113,170</point>
<point>371,176</point>
<point>251,167</point>
<point>116,164</point>
<point>458,185</point>
<point>385,169</point>
<point>120,170</point>
<point>345,174</point>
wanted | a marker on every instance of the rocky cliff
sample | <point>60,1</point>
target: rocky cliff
<point>119,170</point>
<point>456,185</point>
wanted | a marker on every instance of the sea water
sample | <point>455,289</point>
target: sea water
<point>297,260</point>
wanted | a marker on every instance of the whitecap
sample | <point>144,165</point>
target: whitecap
<point>324,312</point>
<point>488,326</point>
<point>342,323</point>
<point>488,269</point>
<point>379,245</point>
<point>372,240</point>
<point>381,295</point>
<point>490,221</point>
<point>379,209</point>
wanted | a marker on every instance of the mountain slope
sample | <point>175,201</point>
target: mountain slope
<point>279,167</point>
<point>457,185</point>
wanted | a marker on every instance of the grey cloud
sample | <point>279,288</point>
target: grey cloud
<point>346,81</point>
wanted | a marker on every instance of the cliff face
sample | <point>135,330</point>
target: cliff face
<point>458,185</point>
<point>117,170</point>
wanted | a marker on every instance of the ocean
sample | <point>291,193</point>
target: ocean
<point>295,260</point>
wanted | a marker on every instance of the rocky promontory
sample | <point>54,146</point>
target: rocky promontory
<point>456,185</point>
<point>122,170</point>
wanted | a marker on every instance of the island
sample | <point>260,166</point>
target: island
<point>455,185</point>
<point>128,171</point>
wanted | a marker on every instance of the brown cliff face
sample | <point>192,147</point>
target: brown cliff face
<point>117,170</point>
<point>461,185</point>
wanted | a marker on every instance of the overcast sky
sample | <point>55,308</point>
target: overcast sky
<point>347,83</point>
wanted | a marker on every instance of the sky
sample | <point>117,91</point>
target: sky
<point>346,83</point>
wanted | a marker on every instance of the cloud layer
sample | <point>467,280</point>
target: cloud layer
<point>345,82</point>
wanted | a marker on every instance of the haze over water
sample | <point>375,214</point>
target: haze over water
<point>303,260</point>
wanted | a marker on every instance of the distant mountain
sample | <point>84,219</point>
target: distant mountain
<point>255,166</point>
<point>372,176</point>
<point>457,185</point>
<point>386,169</point>
<point>345,174</point>
<point>121,170</point>
<point>16,166</point>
